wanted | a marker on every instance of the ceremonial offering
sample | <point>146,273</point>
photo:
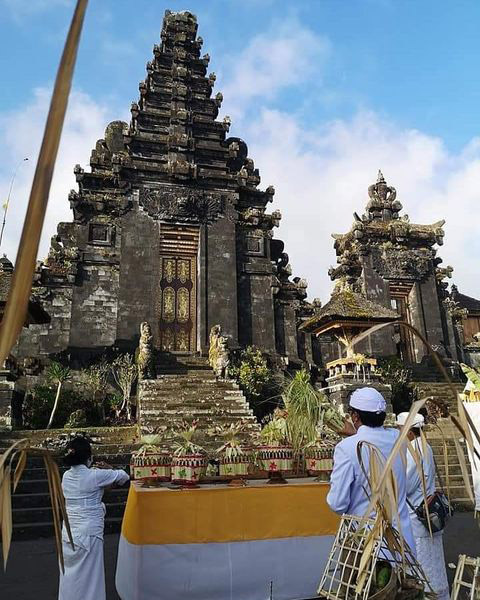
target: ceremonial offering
<point>319,459</point>
<point>188,469</point>
<point>150,461</point>
<point>189,460</point>
<point>151,464</point>
<point>275,459</point>
<point>234,459</point>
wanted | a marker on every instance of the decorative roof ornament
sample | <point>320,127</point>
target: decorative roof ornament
<point>383,205</point>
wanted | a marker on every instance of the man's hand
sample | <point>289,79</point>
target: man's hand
<point>348,428</point>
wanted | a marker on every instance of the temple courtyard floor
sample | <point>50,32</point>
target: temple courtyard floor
<point>32,573</point>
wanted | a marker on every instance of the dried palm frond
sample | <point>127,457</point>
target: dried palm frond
<point>17,303</point>
<point>20,450</point>
<point>464,424</point>
<point>185,440</point>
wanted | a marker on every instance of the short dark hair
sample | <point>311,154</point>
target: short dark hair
<point>77,452</point>
<point>370,419</point>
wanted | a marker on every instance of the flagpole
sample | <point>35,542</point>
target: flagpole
<point>8,198</point>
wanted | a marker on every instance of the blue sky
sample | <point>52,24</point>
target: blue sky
<point>325,92</point>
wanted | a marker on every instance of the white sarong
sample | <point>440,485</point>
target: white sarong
<point>84,577</point>
<point>431,557</point>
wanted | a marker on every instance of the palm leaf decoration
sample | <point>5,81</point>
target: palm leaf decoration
<point>19,452</point>
<point>473,375</point>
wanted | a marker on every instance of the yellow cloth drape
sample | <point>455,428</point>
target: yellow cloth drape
<point>221,514</point>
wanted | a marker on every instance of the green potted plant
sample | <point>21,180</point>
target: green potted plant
<point>189,460</point>
<point>275,454</point>
<point>234,458</point>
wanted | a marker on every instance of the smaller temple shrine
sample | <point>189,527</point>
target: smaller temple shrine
<point>394,263</point>
<point>346,315</point>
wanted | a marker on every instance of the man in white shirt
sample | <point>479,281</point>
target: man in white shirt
<point>429,548</point>
<point>348,484</point>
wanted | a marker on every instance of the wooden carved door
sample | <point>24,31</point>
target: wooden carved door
<point>178,294</point>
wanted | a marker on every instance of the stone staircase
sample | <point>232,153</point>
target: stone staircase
<point>32,515</point>
<point>440,391</point>
<point>446,429</point>
<point>186,388</point>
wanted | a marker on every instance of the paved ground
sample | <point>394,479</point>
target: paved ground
<point>32,573</point>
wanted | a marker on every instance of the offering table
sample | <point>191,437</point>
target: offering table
<point>222,543</point>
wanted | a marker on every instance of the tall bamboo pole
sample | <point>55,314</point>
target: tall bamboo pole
<point>17,303</point>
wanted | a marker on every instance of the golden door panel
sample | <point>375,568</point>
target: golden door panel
<point>177,307</point>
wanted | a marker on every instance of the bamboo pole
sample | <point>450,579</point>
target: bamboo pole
<point>17,303</point>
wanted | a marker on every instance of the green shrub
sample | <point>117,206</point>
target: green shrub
<point>77,419</point>
<point>394,373</point>
<point>38,405</point>
<point>251,371</point>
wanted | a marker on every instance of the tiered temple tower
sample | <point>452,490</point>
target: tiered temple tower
<point>394,263</point>
<point>169,227</point>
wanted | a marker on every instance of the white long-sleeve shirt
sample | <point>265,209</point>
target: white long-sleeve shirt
<point>347,484</point>
<point>414,484</point>
<point>83,490</point>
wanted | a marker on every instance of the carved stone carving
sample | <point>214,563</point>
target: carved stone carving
<point>193,206</point>
<point>146,353</point>
<point>218,353</point>
<point>401,263</point>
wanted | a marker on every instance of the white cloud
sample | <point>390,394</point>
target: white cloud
<point>21,132</point>
<point>321,177</point>
<point>287,55</point>
<point>321,172</point>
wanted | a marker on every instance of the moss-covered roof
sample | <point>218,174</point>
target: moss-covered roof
<point>348,306</point>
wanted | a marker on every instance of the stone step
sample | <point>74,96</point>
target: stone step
<point>42,499</point>
<point>31,531</point>
<point>98,433</point>
<point>212,410</point>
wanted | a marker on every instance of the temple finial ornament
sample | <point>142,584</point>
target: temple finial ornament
<point>383,205</point>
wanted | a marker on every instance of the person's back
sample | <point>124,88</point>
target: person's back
<point>83,487</point>
<point>349,489</point>
<point>429,548</point>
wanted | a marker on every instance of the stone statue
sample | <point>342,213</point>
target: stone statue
<point>146,353</point>
<point>218,353</point>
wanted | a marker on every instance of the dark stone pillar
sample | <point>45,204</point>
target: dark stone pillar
<point>431,312</point>
<point>221,274</point>
<point>135,282</point>
<point>286,329</point>
<point>417,320</point>
<point>262,315</point>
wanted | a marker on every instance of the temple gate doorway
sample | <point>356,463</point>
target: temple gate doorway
<point>399,294</point>
<point>177,308</point>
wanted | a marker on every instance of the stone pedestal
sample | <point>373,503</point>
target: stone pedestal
<point>345,376</point>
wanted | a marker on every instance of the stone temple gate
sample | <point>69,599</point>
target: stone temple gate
<point>169,227</point>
